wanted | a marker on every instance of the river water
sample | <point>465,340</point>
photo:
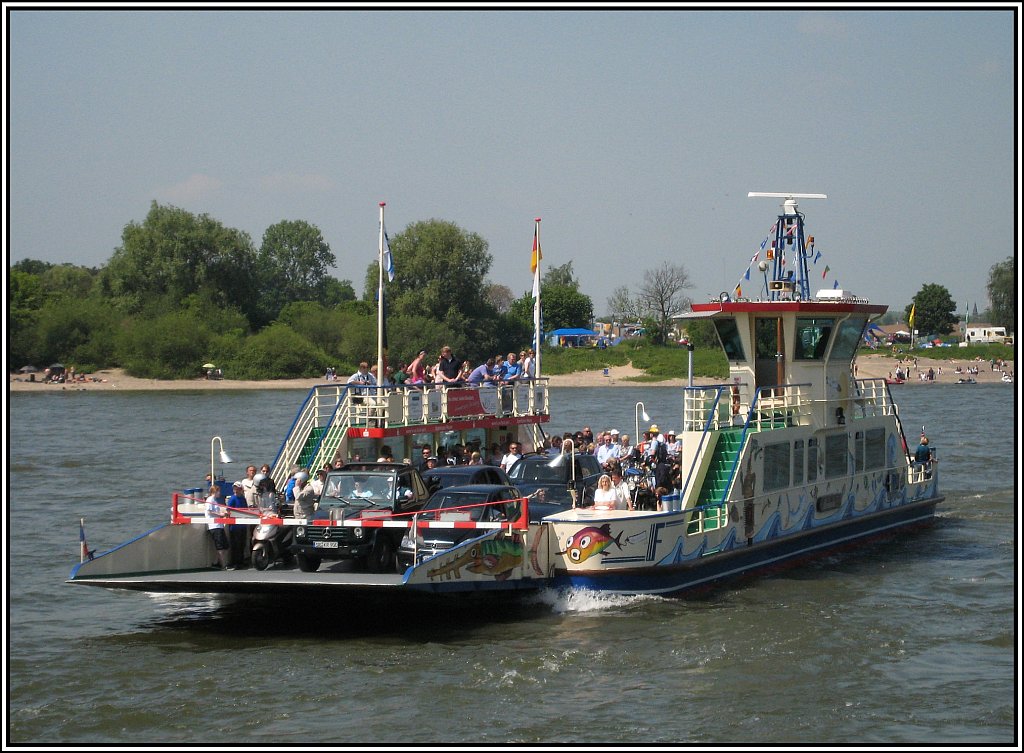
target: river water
<point>910,641</point>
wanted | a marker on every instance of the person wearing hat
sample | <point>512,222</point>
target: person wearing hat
<point>240,550</point>
<point>673,445</point>
<point>305,496</point>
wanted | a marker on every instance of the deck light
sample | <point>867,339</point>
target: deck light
<point>640,410</point>
<point>224,459</point>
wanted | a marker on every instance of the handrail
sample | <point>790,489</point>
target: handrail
<point>704,434</point>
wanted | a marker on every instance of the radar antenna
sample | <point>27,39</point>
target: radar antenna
<point>789,231</point>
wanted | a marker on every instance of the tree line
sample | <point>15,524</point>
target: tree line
<point>183,289</point>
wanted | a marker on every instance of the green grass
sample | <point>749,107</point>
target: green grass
<point>658,362</point>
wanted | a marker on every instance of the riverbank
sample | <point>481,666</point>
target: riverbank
<point>868,367</point>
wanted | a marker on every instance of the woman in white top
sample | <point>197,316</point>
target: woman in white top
<point>605,497</point>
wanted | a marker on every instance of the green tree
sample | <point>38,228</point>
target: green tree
<point>934,310</point>
<point>172,346</point>
<point>68,280</point>
<point>438,266</point>
<point>561,276</point>
<point>292,265</point>
<point>1002,293</point>
<point>622,306</point>
<point>564,306</point>
<point>174,253</point>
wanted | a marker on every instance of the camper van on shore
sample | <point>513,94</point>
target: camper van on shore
<point>987,333</point>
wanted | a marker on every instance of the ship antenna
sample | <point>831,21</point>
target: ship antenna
<point>789,231</point>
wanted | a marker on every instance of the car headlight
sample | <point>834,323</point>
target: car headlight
<point>357,532</point>
<point>300,531</point>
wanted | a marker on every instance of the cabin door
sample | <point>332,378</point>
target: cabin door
<point>769,352</point>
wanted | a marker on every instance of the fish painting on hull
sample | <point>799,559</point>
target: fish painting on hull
<point>589,541</point>
<point>495,557</point>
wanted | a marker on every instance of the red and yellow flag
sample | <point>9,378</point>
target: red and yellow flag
<point>537,255</point>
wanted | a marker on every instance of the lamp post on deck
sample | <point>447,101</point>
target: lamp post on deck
<point>223,458</point>
<point>559,459</point>
<point>636,414</point>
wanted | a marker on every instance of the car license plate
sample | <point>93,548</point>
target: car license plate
<point>325,544</point>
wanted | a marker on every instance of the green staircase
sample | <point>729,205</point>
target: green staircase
<point>309,449</point>
<point>723,458</point>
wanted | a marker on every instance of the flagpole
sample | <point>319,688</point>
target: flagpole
<point>537,335</point>
<point>380,297</point>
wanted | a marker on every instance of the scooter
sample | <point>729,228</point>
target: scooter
<point>271,543</point>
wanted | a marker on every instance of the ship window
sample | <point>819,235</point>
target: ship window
<point>812,460</point>
<point>874,448</point>
<point>729,334</point>
<point>812,338</point>
<point>776,466</point>
<point>766,334</point>
<point>858,451</point>
<point>848,338</point>
<point>798,462</point>
<point>836,447</point>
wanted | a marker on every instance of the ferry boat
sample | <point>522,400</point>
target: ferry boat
<point>790,458</point>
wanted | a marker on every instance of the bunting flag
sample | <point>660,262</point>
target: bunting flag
<point>739,292</point>
<point>825,271</point>
<point>747,275</point>
<point>817,256</point>
<point>835,285</point>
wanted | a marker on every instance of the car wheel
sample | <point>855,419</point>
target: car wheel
<point>381,556</point>
<point>261,559</point>
<point>308,563</point>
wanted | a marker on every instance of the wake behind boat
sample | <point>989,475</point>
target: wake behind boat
<point>792,457</point>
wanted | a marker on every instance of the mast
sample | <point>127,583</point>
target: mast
<point>380,296</point>
<point>788,254</point>
<point>535,268</point>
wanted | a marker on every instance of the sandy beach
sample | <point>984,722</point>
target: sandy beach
<point>873,366</point>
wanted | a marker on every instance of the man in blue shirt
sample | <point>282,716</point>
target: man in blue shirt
<point>513,369</point>
<point>483,374</point>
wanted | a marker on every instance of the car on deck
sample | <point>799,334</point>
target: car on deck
<point>461,475</point>
<point>358,492</point>
<point>548,479</point>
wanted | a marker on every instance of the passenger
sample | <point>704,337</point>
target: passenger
<point>318,482</point>
<point>607,450</point>
<point>305,496</point>
<point>511,457</point>
<point>513,369</point>
<point>626,449</point>
<point>528,364</point>
<point>476,459</point>
<point>289,486</point>
<point>605,497</point>
<point>249,486</point>
<point>672,445</point>
<point>465,370</point>
<point>417,369</point>
<point>923,455</point>
<point>447,370</point>
<point>482,374</point>
<point>238,540</point>
<point>361,382</point>
<point>215,509</point>
<point>588,435</point>
<point>623,501</point>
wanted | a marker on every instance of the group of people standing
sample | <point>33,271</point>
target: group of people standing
<point>447,370</point>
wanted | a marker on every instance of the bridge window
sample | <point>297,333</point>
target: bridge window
<point>848,338</point>
<point>812,337</point>
<point>776,466</point>
<point>729,334</point>
<point>836,449</point>
<point>858,451</point>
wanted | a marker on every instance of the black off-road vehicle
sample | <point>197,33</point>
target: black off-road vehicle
<point>360,491</point>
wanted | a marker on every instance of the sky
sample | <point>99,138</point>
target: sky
<point>635,135</point>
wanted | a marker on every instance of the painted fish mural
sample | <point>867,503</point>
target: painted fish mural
<point>589,541</point>
<point>495,557</point>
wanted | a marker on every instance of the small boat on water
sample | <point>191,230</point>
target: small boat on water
<point>790,458</point>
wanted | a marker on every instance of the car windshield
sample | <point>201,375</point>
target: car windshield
<point>530,469</point>
<point>359,490</point>
<point>448,500</point>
